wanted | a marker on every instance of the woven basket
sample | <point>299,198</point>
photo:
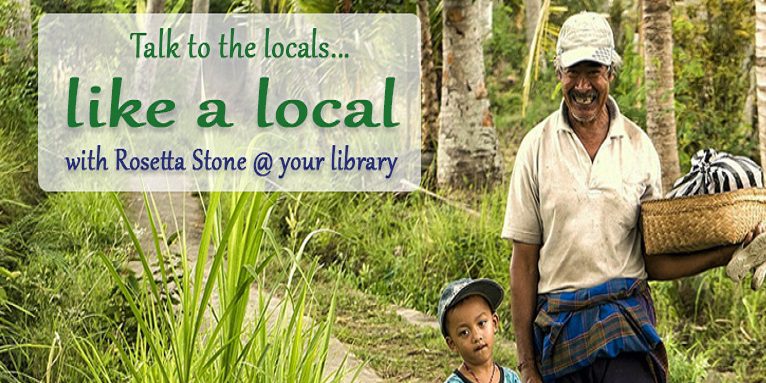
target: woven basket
<point>701,222</point>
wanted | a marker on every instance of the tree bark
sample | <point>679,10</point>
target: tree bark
<point>429,100</point>
<point>467,153</point>
<point>658,70</point>
<point>531,14</point>
<point>155,6</point>
<point>760,74</point>
<point>199,28</point>
<point>201,6</point>
<point>615,19</point>
<point>640,28</point>
<point>749,110</point>
<point>21,29</point>
<point>146,68</point>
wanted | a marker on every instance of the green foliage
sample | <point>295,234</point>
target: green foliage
<point>317,6</point>
<point>18,173</point>
<point>122,6</point>
<point>212,337</point>
<point>628,86</point>
<point>18,122</point>
<point>404,249</point>
<point>47,289</point>
<point>504,59</point>
<point>60,290</point>
<point>711,322</point>
<point>84,6</point>
<point>712,55</point>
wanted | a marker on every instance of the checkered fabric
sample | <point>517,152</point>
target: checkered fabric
<point>602,55</point>
<point>573,329</point>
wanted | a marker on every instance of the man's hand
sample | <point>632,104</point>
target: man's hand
<point>752,255</point>
<point>759,229</point>
<point>529,374</point>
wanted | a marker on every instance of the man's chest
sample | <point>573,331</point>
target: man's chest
<point>608,188</point>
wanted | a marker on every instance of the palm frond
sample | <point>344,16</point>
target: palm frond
<point>538,47</point>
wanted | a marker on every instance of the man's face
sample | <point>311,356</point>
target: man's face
<point>586,88</point>
<point>471,326</point>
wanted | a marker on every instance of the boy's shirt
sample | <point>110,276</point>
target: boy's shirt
<point>507,376</point>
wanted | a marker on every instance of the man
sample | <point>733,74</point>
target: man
<point>582,311</point>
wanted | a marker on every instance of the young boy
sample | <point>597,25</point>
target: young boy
<point>469,323</point>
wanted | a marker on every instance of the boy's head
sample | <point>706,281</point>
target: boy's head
<point>467,317</point>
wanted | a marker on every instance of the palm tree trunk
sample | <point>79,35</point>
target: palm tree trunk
<point>531,14</point>
<point>22,30</point>
<point>467,153</point>
<point>640,28</point>
<point>760,74</point>
<point>155,6</point>
<point>429,100</point>
<point>200,6</point>
<point>658,70</point>
<point>616,9</point>
<point>147,68</point>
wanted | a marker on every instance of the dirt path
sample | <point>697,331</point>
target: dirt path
<point>187,209</point>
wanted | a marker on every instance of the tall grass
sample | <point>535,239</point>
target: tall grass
<point>209,339</point>
<point>714,323</point>
<point>403,248</point>
<point>60,290</point>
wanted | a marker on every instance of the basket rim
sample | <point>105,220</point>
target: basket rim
<point>708,200</point>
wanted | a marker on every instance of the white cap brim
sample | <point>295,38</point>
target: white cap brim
<point>577,55</point>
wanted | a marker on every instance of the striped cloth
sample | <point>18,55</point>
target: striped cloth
<point>713,172</point>
<point>573,329</point>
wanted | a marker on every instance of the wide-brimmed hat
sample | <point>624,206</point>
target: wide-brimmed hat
<point>458,290</point>
<point>586,36</point>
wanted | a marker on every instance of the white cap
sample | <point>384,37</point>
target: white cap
<point>586,36</point>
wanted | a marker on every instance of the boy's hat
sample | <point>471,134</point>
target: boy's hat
<point>585,36</point>
<point>458,290</point>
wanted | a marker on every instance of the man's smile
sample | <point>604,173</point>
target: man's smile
<point>584,99</point>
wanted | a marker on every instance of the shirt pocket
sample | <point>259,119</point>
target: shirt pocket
<point>632,191</point>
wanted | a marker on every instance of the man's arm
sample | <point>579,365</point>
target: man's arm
<point>524,278</point>
<point>674,266</point>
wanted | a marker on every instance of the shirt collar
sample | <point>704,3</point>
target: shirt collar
<point>616,125</point>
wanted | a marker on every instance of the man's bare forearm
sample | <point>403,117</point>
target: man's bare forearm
<point>674,266</point>
<point>524,278</point>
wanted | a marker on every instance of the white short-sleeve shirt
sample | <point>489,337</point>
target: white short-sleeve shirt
<point>583,214</point>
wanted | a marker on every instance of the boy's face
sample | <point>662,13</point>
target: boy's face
<point>471,326</point>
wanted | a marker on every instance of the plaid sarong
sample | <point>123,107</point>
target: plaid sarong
<point>573,329</point>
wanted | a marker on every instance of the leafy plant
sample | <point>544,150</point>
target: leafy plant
<point>712,55</point>
<point>209,338</point>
